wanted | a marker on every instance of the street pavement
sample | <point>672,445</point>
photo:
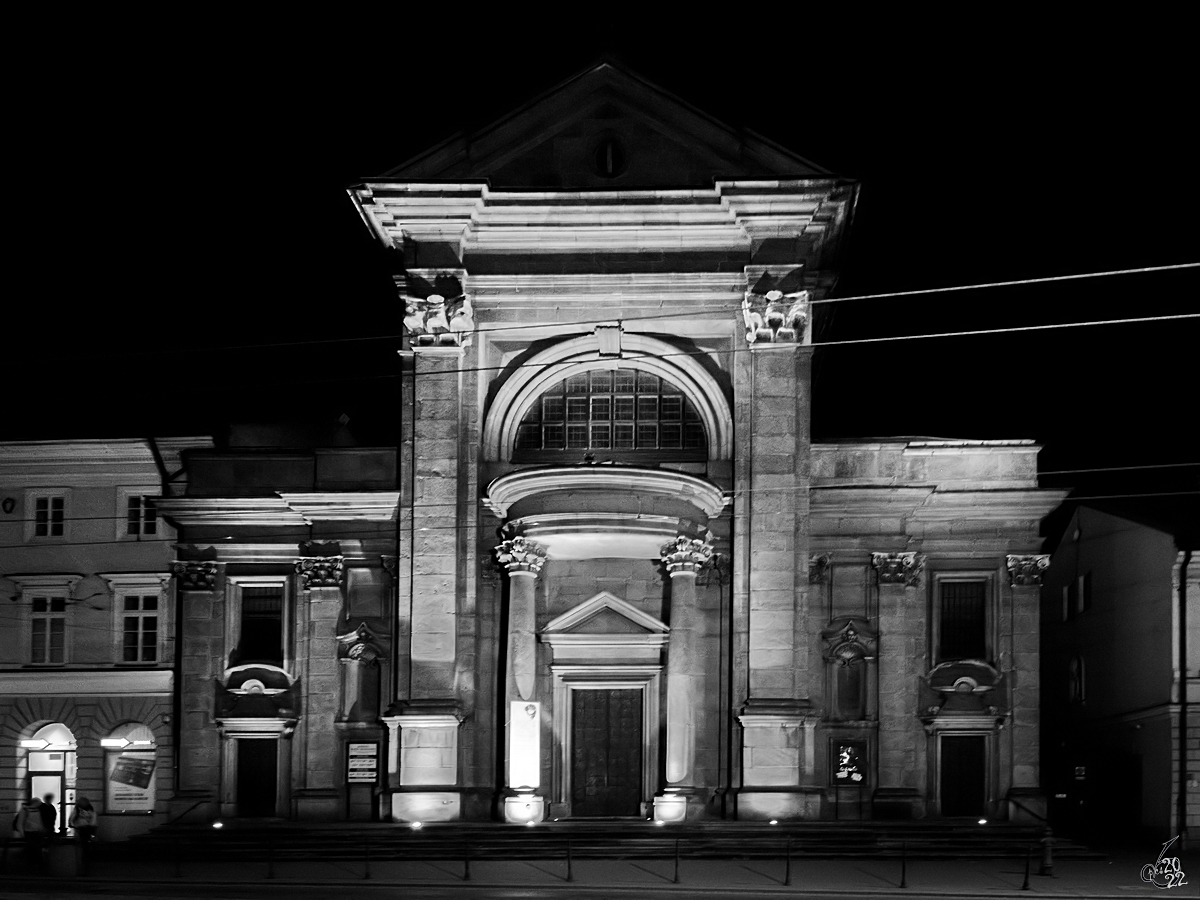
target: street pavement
<point>1119,876</point>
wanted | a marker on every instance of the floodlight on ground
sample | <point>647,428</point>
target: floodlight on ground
<point>983,821</point>
<point>415,826</point>
<point>218,824</point>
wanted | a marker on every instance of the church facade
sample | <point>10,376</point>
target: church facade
<point>608,573</point>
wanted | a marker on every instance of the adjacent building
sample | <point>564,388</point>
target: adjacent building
<point>1113,674</point>
<point>88,634</point>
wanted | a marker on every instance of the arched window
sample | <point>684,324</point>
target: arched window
<point>614,414</point>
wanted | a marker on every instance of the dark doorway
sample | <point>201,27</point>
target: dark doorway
<point>606,772</point>
<point>256,777</point>
<point>963,775</point>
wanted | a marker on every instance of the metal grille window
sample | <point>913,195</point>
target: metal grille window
<point>962,620</point>
<point>48,516</point>
<point>139,629</point>
<point>262,626</point>
<point>141,516</point>
<point>625,409</point>
<point>48,630</point>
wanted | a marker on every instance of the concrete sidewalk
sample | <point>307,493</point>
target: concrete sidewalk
<point>1118,877</point>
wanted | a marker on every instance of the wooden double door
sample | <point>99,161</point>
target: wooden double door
<point>606,764</point>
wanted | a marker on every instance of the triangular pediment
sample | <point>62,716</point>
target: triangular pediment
<point>605,129</point>
<point>606,614</point>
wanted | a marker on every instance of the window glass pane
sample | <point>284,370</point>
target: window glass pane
<point>38,644</point>
<point>131,603</point>
<point>647,408</point>
<point>602,380</point>
<point>647,383</point>
<point>577,384</point>
<point>600,437</point>
<point>577,409</point>
<point>670,436</point>
<point>552,409</point>
<point>601,409</point>
<point>647,435</point>
<point>149,603</point>
<point>552,437</point>
<point>58,604</point>
<point>623,437</point>
<point>577,437</point>
<point>623,409</point>
<point>672,408</point>
<point>693,436</point>
<point>40,604</point>
<point>624,381</point>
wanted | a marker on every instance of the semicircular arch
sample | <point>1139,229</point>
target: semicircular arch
<point>582,354</point>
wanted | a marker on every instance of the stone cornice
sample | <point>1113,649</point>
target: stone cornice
<point>508,489</point>
<point>285,509</point>
<point>43,682</point>
<point>732,215</point>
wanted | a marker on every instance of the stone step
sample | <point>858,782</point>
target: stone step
<point>636,839</point>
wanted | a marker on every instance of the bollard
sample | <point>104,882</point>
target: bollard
<point>367,858</point>
<point>466,863</point>
<point>904,865</point>
<point>1047,866</point>
<point>570,875</point>
<point>676,860</point>
<point>787,862</point>
<point>1028,854</point>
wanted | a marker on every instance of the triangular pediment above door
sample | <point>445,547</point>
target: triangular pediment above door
<point>606,128</point>
<point>605,613</point>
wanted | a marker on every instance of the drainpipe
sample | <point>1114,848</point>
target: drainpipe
<point>1181,799</point>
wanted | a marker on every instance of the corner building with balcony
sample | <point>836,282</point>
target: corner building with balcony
<point>626,581</point>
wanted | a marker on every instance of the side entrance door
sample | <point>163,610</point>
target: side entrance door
<point>606,771</point>
<point>963,775</point>
<point>257,774</point>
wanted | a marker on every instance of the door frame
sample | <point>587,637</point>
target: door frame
<point>989,765</point>
<point>568,678</point>
<point>234,730</point>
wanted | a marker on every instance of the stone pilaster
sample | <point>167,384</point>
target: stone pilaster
<point>523,560</point>
<point>201,605</point>
<point>436,542</point>
<point>902,653</point>
<point>1022,672</point>
<point>319,606</point>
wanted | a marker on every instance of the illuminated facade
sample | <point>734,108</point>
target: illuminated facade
<point>610,574</point>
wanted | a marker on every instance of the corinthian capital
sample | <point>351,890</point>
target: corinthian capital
<point>686,554</point>
<point>320,571</point>
<point>898,568</point>
<point>521,555</point>
<point>436,320</point>
<point>195,576</point>
<point>1024,571</point>
<point>775,317</point>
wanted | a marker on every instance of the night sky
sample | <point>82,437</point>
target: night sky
<point>187,254</point>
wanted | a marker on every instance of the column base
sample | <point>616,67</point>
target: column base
<point>524,808</point>
<point>671,806</point>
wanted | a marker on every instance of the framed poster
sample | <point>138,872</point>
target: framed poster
<point>362,762</point>
<point>849,763</point>
<point>129,781</point>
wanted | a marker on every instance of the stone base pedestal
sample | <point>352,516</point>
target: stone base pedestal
<point>524,807</point>
<point>318,805</point>
<point>898,803</point>
<point>671,806</point>
<point>426,806</point>
<point>764,804</point>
